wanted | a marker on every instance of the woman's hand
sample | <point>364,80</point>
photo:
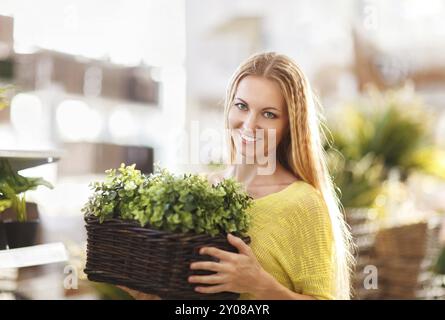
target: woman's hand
<point>236,272</point>
<point>137,295</point>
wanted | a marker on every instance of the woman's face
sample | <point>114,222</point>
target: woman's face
<point>258,117</point>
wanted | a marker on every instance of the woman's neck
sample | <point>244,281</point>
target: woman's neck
<point>248,174</point>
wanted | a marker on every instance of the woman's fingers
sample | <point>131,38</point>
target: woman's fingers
<point>239,244</point>
<point>217,253</point>
<point>211,279</point>
<point>207,265</point>
<point>212,289</point>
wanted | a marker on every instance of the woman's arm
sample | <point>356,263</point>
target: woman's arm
<point>240,273</point>
<point>268,288</point>
<point>137,295</point>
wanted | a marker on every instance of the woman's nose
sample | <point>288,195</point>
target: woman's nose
<point>250,123</point>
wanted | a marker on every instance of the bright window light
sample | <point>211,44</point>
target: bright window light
<point>122,124</point>
<point>127,33</point>
<point>77,121</point>
<point>27,114</point>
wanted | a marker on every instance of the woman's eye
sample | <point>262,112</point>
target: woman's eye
<point>269,115</point>
<point>241,106</point>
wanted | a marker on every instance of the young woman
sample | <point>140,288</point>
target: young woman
<point>300,244</point>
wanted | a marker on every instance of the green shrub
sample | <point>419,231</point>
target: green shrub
<point>183,203</point>
<point>13,187</point>
<point>381,132</point>
<point>3,101</point>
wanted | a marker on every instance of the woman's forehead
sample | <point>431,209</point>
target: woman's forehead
<point>260,91</point>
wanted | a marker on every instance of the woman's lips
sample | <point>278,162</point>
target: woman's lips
<point>248,139</point>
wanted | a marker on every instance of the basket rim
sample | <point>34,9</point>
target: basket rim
<point>89,217</point>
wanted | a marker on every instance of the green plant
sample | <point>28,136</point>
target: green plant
<point>168,202</point>
<point>392,126</point>
<point>13,187</point>
<point>381,132</point>
<point>439,266</point>
<point>110,292</point>
<point>358,183</point>
<point>3,100</point>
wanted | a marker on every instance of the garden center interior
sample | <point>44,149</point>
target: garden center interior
<point>89,85</point>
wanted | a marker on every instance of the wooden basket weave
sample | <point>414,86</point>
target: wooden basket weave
<point>123,253</point>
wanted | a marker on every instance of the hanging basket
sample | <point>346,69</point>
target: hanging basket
<point>156,262</point>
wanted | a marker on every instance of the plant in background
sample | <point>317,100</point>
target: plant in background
<point>386,131</point>
<point>13,187</point>
<point>183,203</point>
<point>3,103</point>
<point>393,127</point>
<point>358,182</point>
<point>439,266</point>
<point>110,292</point>
<point>3,100</point>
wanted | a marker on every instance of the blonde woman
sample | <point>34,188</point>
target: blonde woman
<point>300,244</point>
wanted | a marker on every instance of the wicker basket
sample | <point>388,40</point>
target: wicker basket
<point>152,261</point>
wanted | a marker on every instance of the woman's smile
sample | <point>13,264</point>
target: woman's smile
<point>247,139</point>
<point>258,117</point>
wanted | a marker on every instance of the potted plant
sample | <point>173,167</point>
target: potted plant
<point>3,101</point>
<point>145,230</point>
<point>15,228</point>
<point>381,133</point>
<point>17,231</point>
<point>439,266</point>
<point>394,128</point>
<point>386,132</point>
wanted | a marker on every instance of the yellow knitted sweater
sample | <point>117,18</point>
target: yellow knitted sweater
<point>292,239</point>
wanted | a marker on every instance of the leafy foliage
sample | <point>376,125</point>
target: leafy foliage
<point>3,100</point>
<point>173,203</point>
<point>439,266</point>
<point>382,132</point>
<point>392,126</point>
<point>13,187</point>
<point>358,182</point>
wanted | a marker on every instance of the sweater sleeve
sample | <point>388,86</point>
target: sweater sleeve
<point>305,246</point>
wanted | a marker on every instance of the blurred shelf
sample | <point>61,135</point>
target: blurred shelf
<point>33,256</point>
<point>24,159</point>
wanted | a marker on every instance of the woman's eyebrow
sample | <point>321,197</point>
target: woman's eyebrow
<point>241,100</point>
<point>271,108</point>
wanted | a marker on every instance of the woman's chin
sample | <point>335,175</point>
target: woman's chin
<point>243,158</point>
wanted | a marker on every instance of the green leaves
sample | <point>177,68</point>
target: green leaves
<point>184,203</point>
<point>391,126</point>
<point>380,132</point>
<point>12,189</point>
<point>359,181</point>
<point>3,102</point>
<point>439,266</point>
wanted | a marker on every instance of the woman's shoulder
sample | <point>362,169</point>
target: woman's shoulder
<point>301,192</point>
<point>302,201</point>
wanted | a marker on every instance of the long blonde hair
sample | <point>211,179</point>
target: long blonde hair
<point>301,150</point>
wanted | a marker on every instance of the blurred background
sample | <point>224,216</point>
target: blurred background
<point>95,84</point>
